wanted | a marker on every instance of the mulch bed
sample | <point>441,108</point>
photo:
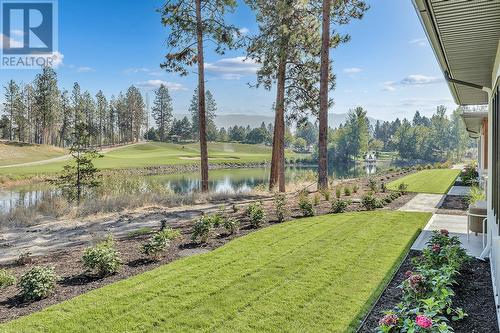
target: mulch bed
<point>75,281</point>
<point>473,293</point>
<point>454,205</point>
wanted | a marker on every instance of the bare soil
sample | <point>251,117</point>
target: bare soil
<point>454,205</point>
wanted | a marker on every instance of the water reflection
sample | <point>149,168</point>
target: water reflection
<point>234,180</point>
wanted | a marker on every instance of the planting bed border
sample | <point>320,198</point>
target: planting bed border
<point>473,293</point>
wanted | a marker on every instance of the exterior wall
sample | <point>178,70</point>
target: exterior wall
<point>493,232</point>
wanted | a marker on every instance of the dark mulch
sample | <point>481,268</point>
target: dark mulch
<point>75,281</point>
<point>454,205</point>
<point>473,293</point>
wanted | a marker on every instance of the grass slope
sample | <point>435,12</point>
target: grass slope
<point>17,153</point>
<point>157,154</point>
<point>437,181</point>
<point>317,274</point>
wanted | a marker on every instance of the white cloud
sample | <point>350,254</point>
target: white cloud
<point>232,68</point>
<point>137,70</point>
<point>417,79</point>
<point>13,42</point>
<point>85,69</point>
<point>353,70</point>
<point>411,80</point>
<point>55,59</point>
<point>155,84</point>
<point>419,42</point>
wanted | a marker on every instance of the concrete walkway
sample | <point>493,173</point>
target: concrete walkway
<point>455,224</point>
<point>423,202</point>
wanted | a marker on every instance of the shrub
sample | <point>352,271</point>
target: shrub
<point>470,175</point>
<point>255,212</point>
<point>339,206</point>
<point>326,194</point>
<point>306,206</point>
<point>159,242</point>
<point>231,225</point>
<point>355,188</point>
<point>37,283</point>
<point>403,187</point>
<point>6,279</point>
<point>280,206</point>
<point>338,192</point>
<point>372,185</point>
<point>347,191</point>
<point>24,258</point>
<point>476,194</point>
<point>369,201</point>
<point>317,199</point>
<point>383,187</point>
<point>427,291</point>
<point>103,258</point>
<point>202,229</point>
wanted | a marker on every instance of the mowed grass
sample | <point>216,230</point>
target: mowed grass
<point>318,274</point>
<point>436,181</point>
<point>17,153</point>
<point>158,154</point>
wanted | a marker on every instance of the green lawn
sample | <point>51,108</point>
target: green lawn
<point>157,154</point>
<point>17,153</point>
<point>317,274</point>
<point>437,181</point>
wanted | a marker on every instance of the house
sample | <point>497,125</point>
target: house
<point>465,37</point>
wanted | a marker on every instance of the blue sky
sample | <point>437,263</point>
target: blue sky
<point>388,66</point>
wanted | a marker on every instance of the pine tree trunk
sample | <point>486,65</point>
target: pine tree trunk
<point>278,157</point>
<point>201,100</point>
<point>323,99</point>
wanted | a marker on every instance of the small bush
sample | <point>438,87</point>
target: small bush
<point>255,212</point>
<point>355,188</point>
<point>369,201</point>
<point>347,191</point>
<point>231,225</point>
<point>317,199</point>
<point>306,206</point>
<point>159,242</point>
<point>202,229</point>
<point>326,194</point>
<point>37,283</point>
<point>102,258</point>
<point>338,192</point>
<point>403,187</point>
<point>280,206</point>
<point>383,187</point>
<point>470,175</point>
<point>372,185</point>
<point>6,279</point>
<point>339,206</point>
<point>476,194</point>
<point>24,258</point>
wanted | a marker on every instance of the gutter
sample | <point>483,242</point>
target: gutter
<point>467,84</point>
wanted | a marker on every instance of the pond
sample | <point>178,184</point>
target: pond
<point>228,180</point>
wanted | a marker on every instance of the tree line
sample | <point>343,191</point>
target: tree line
<point>39,112</point>
<point>436,138</point>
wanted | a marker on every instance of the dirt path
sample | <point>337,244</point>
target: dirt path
<point>63,158</point>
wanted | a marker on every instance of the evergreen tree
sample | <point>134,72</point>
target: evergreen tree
<point>162,112</point>
<point>190,23</point>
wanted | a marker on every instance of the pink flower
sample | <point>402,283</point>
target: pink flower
<point>423,321</point>
<point>444,232</point>
<point>436,248</point>
<point>416,282</point>
<point>389,320</point>
<point>408,274</point>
